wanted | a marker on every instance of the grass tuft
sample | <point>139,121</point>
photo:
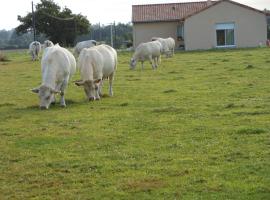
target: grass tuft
<point>250,131</point>
<point>249,66</point>
<point>169,91</point>
<point>124,104</point>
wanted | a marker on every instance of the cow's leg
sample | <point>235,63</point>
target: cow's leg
<point>100,88</point>
<point>156,62</point>
<point>53,101</point>
<point>62,92</point>
<point>152,62</point>
<point>97,96</point>
<point>111,84</point>
<point>159,59</point>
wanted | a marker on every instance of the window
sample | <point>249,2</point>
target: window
<point>180,32</point>
<point>225,35</point>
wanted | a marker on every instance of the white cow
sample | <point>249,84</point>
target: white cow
<point>84,44</point>
<point>147,51</point>
<point>57,66</point>
<point>47,43</point>
<point>168,45</point>
<point>34,50</point>
<point>96,64</point>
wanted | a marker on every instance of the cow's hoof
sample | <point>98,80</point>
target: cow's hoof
<point>43,108</point>
<point>91,98</point>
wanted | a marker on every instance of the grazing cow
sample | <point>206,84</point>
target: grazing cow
<point>48,43</point>
<point>34,49</point>
<point>57,66</point>
<point>96,64</point>
<point>168,45</point>
<point>147,51</point>
<point>84,44</point>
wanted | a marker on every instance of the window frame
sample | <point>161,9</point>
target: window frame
<point>225,26</point>
<point>178,30</point>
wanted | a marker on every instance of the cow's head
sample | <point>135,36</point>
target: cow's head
<point>46,95</point>
<point>133,63</point>
<point>90,88</point>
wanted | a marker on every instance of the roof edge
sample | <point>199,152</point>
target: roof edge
<point>154,21</point>
<point>157,4</point>
<point>220,1</point>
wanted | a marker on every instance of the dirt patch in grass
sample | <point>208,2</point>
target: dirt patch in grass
<point>249,66</point>
<point>169,91</point>
<point>173,72</point>
<point>146,184</point>
<point>232,105</point>
<point>124,104</point>
<point>225,60</point>
<point>133,79</point>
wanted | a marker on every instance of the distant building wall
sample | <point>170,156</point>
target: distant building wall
<point>143,32</point>
<point>250,26</point>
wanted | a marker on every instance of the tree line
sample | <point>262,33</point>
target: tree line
<point>122,37</point>
<point>61,26</point>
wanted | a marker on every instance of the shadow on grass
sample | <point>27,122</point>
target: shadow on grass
<point>169,91</point>
<point>250,131</point>
<point>55,106</point>
<point>6,105</point>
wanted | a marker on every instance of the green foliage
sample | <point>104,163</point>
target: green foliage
<point>196,128</point>
<point>60,26</point>
<point>11,40</point>
<point>122,34</point>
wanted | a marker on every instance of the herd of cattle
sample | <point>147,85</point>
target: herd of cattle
<point>95,63</point>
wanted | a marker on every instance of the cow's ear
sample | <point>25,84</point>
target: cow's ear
<point>35,90</point>
<point>97,81</point>
<point>79,82</point>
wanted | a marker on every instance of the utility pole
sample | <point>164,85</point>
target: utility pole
<point>112,34</point>
<point>99,31</point>
<point>114,28</point>
<point>33,21</point>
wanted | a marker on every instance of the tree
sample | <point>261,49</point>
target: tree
<point>122,34</point>
<point>60,26</point>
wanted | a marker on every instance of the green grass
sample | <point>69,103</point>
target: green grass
<point>196,128</point>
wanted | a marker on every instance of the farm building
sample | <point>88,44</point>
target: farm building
<point>200,25</point>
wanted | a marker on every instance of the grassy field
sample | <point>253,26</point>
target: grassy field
<point>196,128</point>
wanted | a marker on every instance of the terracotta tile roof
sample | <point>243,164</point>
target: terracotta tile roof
<point>175,11</point>
<point>165,12</point>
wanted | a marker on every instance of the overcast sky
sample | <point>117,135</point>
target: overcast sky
<point>103,11</point>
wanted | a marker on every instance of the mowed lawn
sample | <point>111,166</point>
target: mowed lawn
<point>196,128</point>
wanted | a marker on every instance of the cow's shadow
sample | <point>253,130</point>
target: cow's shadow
<point>54,106</point>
